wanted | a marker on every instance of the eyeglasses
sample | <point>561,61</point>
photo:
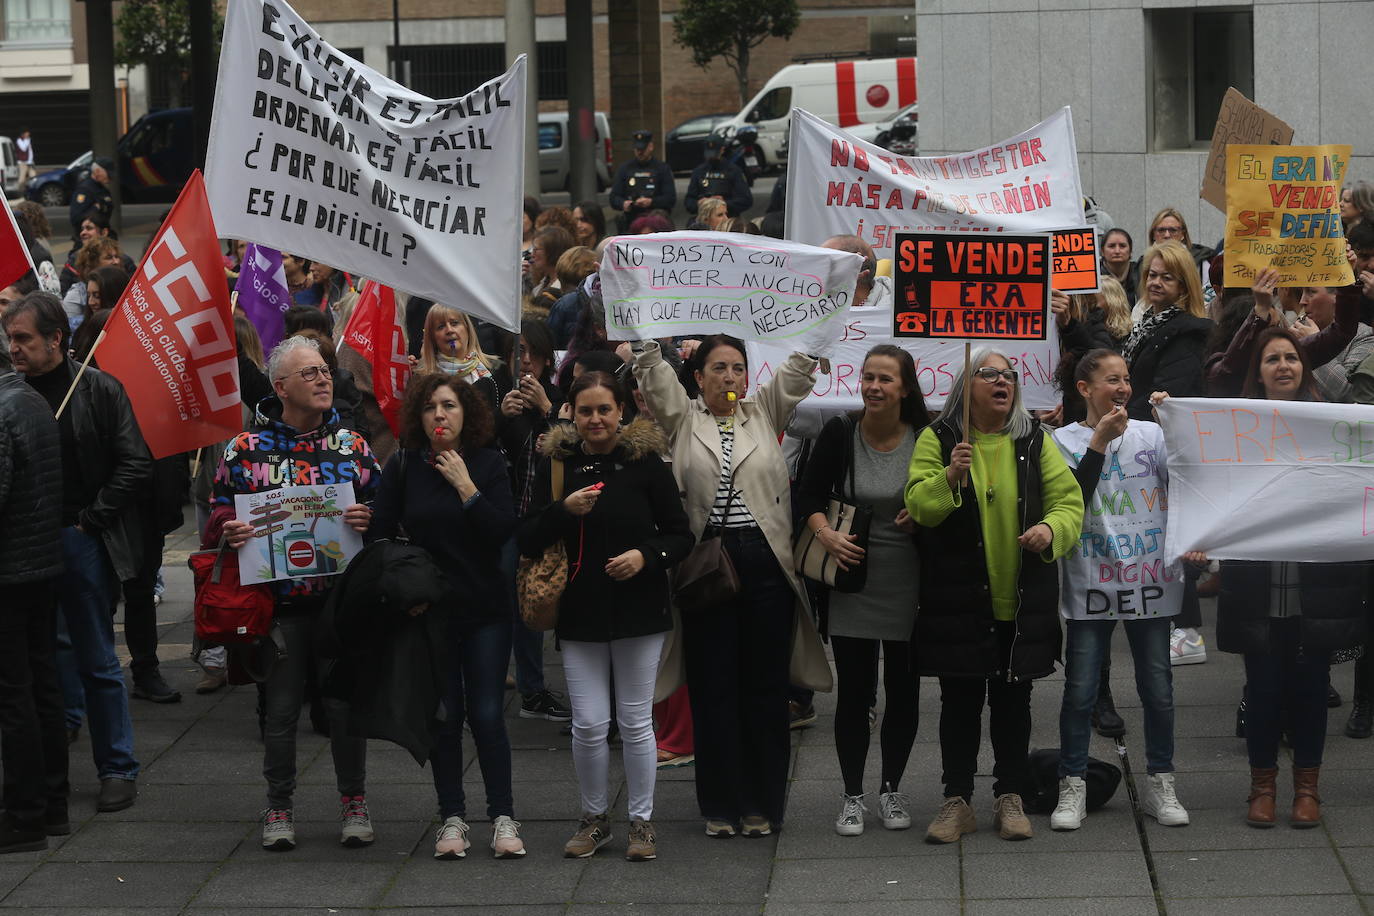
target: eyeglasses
<point>309,373</point>
<point>990,374</point>
<point>1168,230</point>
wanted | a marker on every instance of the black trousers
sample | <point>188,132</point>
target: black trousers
<point>33,733</point>
<point>737,658</point>
<point>140,613</point>
<point>856,670</point>
<point>1009,726</point>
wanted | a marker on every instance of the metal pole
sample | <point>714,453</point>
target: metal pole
<point>581,102</point>
<point>396,40</point>
<point>104,111</point>
<point>204,69</point>
<point>520,40</point>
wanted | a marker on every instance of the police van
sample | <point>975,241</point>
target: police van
<point>555,162</point>
<point>846,93</point>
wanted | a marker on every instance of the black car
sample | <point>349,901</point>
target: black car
<point>155,161</point>
<point>684,145</point>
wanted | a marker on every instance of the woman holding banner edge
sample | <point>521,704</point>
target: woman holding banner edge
<point>1003,507</point>
<point>1289,621</point>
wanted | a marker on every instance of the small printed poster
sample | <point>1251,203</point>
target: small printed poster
<point>297,532</point>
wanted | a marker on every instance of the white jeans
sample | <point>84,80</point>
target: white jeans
<point>588,667</point>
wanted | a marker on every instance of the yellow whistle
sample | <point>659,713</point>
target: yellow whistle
<point>731,396</point>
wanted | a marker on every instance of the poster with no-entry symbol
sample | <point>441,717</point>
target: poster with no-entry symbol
<point>297,531</point>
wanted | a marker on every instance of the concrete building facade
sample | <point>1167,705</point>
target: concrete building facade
<point>1144,78</point>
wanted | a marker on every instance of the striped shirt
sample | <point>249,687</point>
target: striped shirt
<point>740,516</point>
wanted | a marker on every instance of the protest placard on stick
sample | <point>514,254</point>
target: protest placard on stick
<point>312,152</point>
<point>1283,211</point>
<point>1239,121</point>
<point>954,285</point>
<point>1075,261</point>
<point>672,283</point>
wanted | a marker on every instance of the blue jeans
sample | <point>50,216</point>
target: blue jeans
<point>1089,643</point>
<point>476,694</point>
<point>85,593</point>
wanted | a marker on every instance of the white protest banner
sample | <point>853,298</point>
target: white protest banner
<point>298,531</point>
<point>1270,480</point>
<point>838,184</point>
<point>938,364</point>
<point>755,288</point>
<point>316,154</point>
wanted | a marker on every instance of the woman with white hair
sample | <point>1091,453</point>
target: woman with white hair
<point>1003,507</point>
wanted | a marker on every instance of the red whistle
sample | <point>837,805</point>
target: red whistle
<point>598,486</point>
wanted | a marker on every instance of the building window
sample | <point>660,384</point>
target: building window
<point>1196,54</point>
<point>445,71</point>
<point>892,36</point>
<point>38,20</point>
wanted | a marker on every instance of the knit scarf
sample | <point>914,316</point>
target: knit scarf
<point>1147,326</point>
<point>469,368</point>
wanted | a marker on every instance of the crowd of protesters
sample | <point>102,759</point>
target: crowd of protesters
<point>638,459</point>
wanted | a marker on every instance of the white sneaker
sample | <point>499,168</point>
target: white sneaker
<point>505,838</point>
<point>356,827</point>
<point>1186,647</point>
<point>851,819</point>
<point>895,810</point>
<point>278,830</point>
<point>1162,804</point>
<point>451,840</point>
<point>1073,804</point>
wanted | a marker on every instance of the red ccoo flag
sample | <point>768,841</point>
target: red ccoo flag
<point>374,329</point>
<point>171,339</point>
<point>14,254</point>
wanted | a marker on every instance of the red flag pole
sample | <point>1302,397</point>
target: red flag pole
<point>79,372</point>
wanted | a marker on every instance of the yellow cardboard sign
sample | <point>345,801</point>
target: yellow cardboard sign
<point>1283,211</point>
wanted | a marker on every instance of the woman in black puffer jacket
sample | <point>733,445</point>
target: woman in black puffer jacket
<point>617,511</point>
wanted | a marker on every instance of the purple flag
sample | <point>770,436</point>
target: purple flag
<point>262,293</point>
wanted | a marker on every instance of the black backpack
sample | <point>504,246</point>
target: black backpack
<point>1102,779</point>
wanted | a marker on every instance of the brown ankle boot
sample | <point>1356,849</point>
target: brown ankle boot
<point>1261,813</point>
<point>1307,804</point>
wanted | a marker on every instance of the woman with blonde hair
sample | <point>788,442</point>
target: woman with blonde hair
<point>1165,349</point>
<point>712,213</point>
<point>1169,226</point>
<point>451,347</point>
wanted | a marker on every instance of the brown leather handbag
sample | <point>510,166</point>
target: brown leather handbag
<point>707,577</point>
<point>540,581</point>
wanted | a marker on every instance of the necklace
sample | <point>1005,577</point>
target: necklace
<point>990,467</point>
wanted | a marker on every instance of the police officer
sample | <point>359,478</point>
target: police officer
<point>642,184</point>
<point>92,193</point>
<point>717,178</point>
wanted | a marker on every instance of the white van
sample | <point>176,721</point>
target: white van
<point>554,160</point>
<point>844,92</point>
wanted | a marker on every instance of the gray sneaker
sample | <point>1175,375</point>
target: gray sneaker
<point>851,818</point>
<point>278,830</point>
<point>357,826</point>
<point>593,832</point>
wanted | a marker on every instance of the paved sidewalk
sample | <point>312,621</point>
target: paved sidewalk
<point>190,844</point>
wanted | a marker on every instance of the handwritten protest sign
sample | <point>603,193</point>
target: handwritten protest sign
<point>672,283</point>
<point>1118,569</point>
<point>838,184</point>
<point>1283,211</point>
<point>1239,121</point>
<point>297,531</point>
<point>315,153</point>
<point>1270,480</point>
<point>938,364</point>
<point>971,287</point>
<point>1075,260</point>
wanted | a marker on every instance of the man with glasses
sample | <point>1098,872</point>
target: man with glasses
<point>104,463</point>
<point>296,440</point>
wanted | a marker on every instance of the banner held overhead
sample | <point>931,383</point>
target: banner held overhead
<point>315,153</point>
